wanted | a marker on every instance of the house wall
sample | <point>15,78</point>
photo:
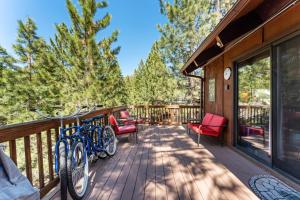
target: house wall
<point>274,30</point>
<point>215,71</point>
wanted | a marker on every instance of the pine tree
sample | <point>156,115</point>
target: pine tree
<point>189,22</point>
<point>151,82</point>
<point>89,63</point>
<point>7,83</point>
<point>113,89</point>
<point>28,47</point>
<point>159,84</point>
<point>49,79</point>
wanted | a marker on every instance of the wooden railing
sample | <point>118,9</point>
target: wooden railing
<point>30,146</point>
<point>254,115</point>
<point>167,114</point>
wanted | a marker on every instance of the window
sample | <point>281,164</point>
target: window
<point>212,89</point>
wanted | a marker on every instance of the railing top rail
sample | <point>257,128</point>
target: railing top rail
<point>254,106</point>
<point>167,106</point>
<point>15,131</point>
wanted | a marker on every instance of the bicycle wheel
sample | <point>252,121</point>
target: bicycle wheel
<point>63,171</point>
<point>78,170</point>
<point>109,140</point>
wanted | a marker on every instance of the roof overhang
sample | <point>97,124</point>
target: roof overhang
<point>244,16</point>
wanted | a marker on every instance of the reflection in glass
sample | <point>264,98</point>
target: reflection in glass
<point>287,148</point>
<point>254,106</point>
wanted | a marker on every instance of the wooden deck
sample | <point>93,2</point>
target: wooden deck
<point>168,164</point>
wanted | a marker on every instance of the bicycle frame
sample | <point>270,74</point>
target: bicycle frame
<point>63,137</point>
<point>83,133</point>
<point>90,145</point>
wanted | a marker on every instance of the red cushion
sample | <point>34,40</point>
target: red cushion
<point>208,131</point>
<point>256,130</point>
<point>129,122</point>
<point>126,129</point>
<point>217,123</point>
<point>124,114</point>
<point>211,125</point>
<point>207,118</point>
<point>140,121</point>
<point>133,121</point>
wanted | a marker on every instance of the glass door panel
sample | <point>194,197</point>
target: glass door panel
<point>287,139</point>
<point>254,102</point>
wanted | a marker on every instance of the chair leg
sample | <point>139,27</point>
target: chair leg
<point>198,139</point>
<point>136,137</point>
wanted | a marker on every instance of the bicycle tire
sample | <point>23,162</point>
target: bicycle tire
<point>63,171</point>
<point>110,150</point>
<point>72,190</point>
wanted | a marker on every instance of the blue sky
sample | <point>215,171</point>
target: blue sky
<point>135,19</point>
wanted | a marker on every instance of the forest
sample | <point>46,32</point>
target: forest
<point>75,68</point>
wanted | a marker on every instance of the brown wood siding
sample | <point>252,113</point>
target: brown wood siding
<point>284,24</point>
<point>215,70</point>
<point>281,26</point>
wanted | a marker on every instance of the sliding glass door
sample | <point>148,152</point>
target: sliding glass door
<point>286,147</point>
<point>254,105</point>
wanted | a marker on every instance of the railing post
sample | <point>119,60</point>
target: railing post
<point>146,108</point>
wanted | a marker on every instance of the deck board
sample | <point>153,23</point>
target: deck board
<point>167,163</point>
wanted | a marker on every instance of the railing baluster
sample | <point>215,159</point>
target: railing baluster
<point>13,151</point>
<point>50,157</point>
<point>28,158</point>
<point>40,159</point>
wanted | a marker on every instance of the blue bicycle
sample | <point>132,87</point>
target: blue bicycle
<point>62,147</point>
<point>91,140</point>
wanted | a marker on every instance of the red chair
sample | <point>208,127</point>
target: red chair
<point>127,119</point>
<point>211,125</point>
<point>122,129</point>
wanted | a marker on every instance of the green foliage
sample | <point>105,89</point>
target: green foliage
<point>7,83</point>
<point>75,68</point>
<point>254,77</point>
<point>151,82</point>
<point>92,67</point>
<point>189,22</point>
